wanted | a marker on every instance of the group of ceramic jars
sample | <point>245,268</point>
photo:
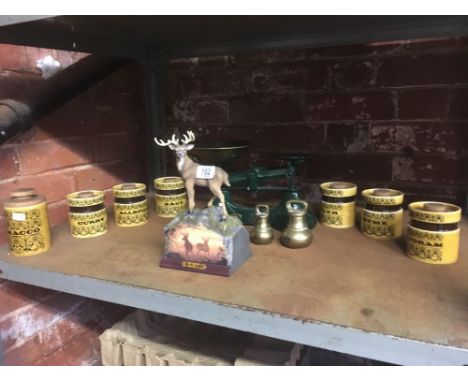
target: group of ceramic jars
<point>296,234</point>
<point>433,232</point>
<point>88,215</point>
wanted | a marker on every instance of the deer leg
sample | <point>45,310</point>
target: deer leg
<point>217,192</point>
<point>191,195</point>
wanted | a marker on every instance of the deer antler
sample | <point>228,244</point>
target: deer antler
<point>187,138</point>
<point>173,140</point>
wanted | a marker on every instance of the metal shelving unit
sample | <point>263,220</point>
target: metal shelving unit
<point>355,295</point>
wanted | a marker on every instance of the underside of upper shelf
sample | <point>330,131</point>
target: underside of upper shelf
<point>189,36</point>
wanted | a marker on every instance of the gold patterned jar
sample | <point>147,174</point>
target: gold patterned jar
<point>433,232</point>
<point>88,216</point>
<point>382,213</point>
<point>337,207</point>
<point>27,222</point>
<point>171,196</point>
<point>130,204</point>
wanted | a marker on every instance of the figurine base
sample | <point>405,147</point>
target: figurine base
<point>200,242</point>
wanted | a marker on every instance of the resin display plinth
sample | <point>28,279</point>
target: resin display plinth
<point>201,242</point>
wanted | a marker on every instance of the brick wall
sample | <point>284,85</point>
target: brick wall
<point>382,114</point>
<point>93,142</point>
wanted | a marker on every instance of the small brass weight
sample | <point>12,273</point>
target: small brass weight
<point>262,233</point>
<point>297,233</point>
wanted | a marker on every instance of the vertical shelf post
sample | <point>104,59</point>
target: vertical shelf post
<point>156,68</point>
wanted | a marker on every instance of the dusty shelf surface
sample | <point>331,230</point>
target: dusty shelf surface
<point>342,278</point>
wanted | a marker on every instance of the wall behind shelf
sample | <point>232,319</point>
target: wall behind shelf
<point>95,141</point>
<point>384,114</point>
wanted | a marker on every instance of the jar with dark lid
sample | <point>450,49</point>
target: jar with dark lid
<point>337,207</point>
<point>382,213</point>
<point>87,213</point>
<point>433,232</point>
<point>130,204</point>
<point>171,196</point>
<point>27,222</point>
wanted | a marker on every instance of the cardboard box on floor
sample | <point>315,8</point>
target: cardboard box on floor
<point>145,338</point>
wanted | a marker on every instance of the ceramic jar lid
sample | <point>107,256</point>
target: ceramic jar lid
<point>129,190</point>
<point>169,183</point>
<point>338,189</point>
<point>23,197</point>
<point>435,212</point>
<point>85,198</point>
<point>383,196</point>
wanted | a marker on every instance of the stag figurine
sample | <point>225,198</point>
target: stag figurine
<point>195,174</point>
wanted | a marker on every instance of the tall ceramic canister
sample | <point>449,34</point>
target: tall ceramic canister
<point>382,213</point>
<point>27,222</point>
<point>171,196</point>
<point>338,206</point>
<point>433,232</point>
<point>130,204</point>
<point>87,213</point>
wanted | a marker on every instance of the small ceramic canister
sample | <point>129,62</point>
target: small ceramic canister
<point>433,232</point>
<point>171,196</point>
<point>337,207</point>
<point>382,213</point>
<point>87,216</point>
<point>27,221</point>
<point>130,204</point>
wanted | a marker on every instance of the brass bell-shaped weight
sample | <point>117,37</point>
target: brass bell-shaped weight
<point>262,233</point>
<point>297,233</point>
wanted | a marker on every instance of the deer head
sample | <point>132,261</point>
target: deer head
<point>179,148</point>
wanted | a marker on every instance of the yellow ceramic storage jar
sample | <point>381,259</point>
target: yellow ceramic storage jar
<point>382,213</point>
<point>130,204</point>
<point>433,232</point>
<point>337,207</point>
<point>87,216</point>
<point>171,196</point>
<point>27,222</point>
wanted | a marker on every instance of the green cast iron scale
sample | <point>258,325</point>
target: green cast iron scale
<point>253,180</point>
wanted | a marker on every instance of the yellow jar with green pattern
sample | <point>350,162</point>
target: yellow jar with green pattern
<point>338,205</point>
<point>87,214</point>
<point>433,235</point>
<point>382,213</point>
<point>171,196</point>
<point>27,222</point>
<point>130,204</point>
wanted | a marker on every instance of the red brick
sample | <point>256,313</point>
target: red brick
<point>351,137</point>
<point>19,327</point>
<point>424,70</point>
<point>105,176</point>
<point>427,137</point>
<point>14,57</point>
<point>268,57</point>
<point>350,167</point>
<point>53,186</point>
<point>8,162</point>
<point>208,111</point>
<point>13,85</point>
<point>81,351</point>
<point>118,146</point>
<point>353,74</point>
<point>208,82</point>
<point>458,104</point>
<point>16,295</point>
<point>289,78</point>
<point>305,137</point>
<point>431,168</point>
<point>48,155</point>
<point>343,106</point>
<point>58,213</point>
<point>423,104</point>
<point>266,110</point>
